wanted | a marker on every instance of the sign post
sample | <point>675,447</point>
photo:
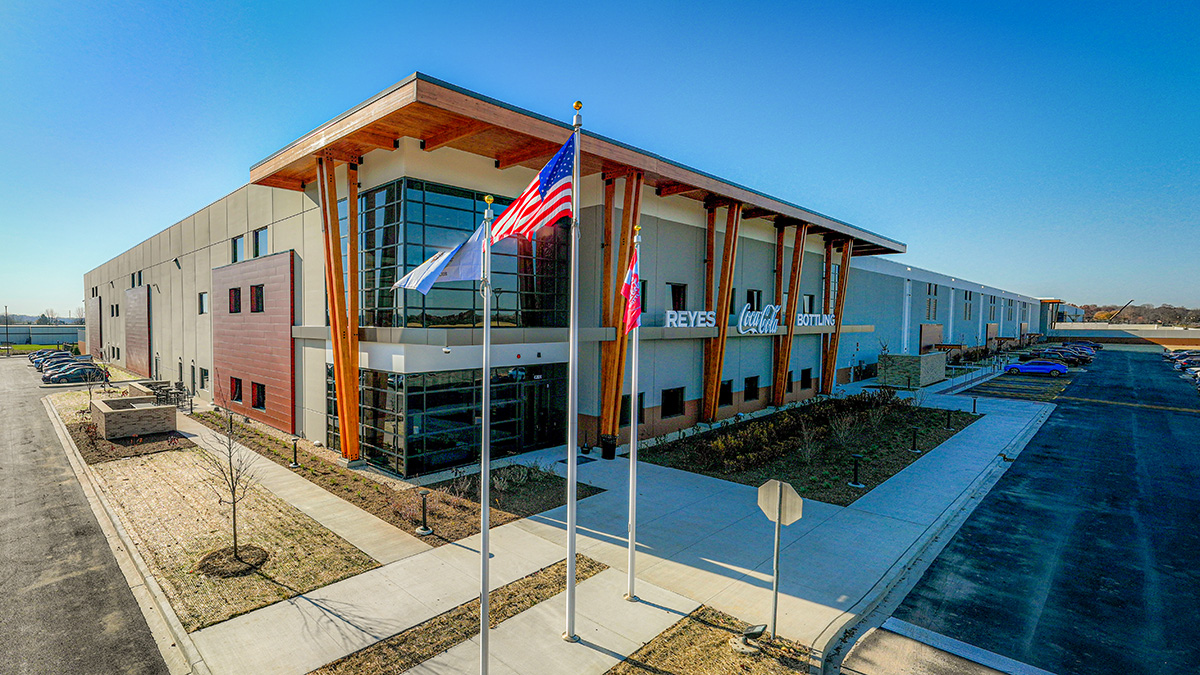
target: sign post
<point>782,505</point>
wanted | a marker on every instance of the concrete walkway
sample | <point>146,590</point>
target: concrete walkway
<point>377,538</point>
<point>705,538</point>
<point>701,540</point>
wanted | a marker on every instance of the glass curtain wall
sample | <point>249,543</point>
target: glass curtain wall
<point>406,222</point>
<point>422,422</point>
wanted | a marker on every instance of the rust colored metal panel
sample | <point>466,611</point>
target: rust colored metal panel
<point>136,310</point>
<point>95,325</point>
<point>256,347</point>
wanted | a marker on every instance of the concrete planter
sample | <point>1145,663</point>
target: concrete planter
<point>910,370</point>
<point>131,416</point>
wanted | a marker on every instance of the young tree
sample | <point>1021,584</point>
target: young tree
<point>231,474</point>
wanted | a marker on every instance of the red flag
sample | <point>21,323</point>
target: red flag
<point>632,290</point>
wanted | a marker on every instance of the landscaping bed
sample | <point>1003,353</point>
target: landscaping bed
<point>699,643</point>
<point>175,520</point>
<point>517,491</point>
<point>812,447</point>
<point>437,635</point>
<point>72,407</point>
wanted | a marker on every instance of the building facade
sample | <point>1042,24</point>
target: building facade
<point>745,297</point>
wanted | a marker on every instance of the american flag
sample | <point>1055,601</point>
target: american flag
<point>547,198</point>
<point>632,290</point>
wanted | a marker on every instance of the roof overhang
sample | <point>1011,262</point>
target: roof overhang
<point>442,115</point>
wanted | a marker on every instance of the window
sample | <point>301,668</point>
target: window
<point>672,402</point>
<point>992,308</point>
<point>202,303</point>
<point>806,378</point>
<point>235,389</point>
<point>258,242</point>
<point>625,409</point>
<point>751,393</point>
<point>237,249</point>
<point>931,291</point>
<point>754,299</point>
<point>235,300</point>
<point>117,309</point>
<point>810,304</point>
<point>133,280</point>
<point>968,307</point>
<point>1008,310</point>
<point>790,384</point>
<point>204,378</point>
<point>258,396</point>
<point>733,309</point>
<point>725,396</point>
<point>256,298</point>
<point>180,371</point>
<point>678,297</point>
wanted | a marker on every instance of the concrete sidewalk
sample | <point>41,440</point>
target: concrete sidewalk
<point>705,538</point>
<point>702,540</point>
<point>377,538</point>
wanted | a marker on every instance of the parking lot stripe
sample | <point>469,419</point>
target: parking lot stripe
<point>1134,405</point>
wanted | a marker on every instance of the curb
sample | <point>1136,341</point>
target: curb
<point>836,639</point>
<point>181,655</point>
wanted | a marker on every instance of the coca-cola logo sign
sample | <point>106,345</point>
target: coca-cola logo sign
<point>764,321</point>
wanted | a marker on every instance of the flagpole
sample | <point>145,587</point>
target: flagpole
<point>633,422</point>
<point>485,460</point>
<point>573,385</point>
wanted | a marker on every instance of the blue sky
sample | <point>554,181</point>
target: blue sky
<point>1048,148</point>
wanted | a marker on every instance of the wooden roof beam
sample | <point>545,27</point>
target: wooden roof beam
<point>527,154</point>
<point>346,156</point>
<point>667,189</point>
<point>445,137</point>
<point>756,212</point>
<point>715,202</point>
<point>374,138</point>
<point>278,181</point>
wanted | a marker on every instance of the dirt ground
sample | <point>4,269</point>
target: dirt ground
<point>174,519</point>
<point>426,640</point>
<point>699,643</point>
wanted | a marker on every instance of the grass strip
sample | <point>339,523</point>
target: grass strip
<point>444,631</point>
<point>699,643</point>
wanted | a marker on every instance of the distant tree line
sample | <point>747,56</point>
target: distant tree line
<point>1167,315</point>
<point>48,317</point>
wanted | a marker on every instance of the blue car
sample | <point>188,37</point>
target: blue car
<point>78,375</point>
<point>1037,366</point>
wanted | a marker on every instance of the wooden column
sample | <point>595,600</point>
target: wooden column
<point>710,254</point>
<point>338,323</point>
<point>777,340</point>
<point>606,246</point>
<point>715,364</point>
<point>784,360</point>
<point>613,364</point>
<point>829,364</point>
<point>353,388</point>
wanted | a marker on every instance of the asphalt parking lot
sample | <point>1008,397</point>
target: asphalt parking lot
<point>1085,557</point>
<point>64,605</point>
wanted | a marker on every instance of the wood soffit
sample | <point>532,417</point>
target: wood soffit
<point>441,115</point>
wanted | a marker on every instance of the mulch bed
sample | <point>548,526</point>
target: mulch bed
<point>223,563</point>
<point>813,448</point>
<point>699,643</point>
<point>453,505</point>
<point>444,631</point>
<point>95,449</point>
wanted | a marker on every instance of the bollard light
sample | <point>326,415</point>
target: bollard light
<point>949,423</point>
<point>295,463</point>
<point>914,441</point>
<point>856,484</point>
<point>424,529</point>
<point>974,401</point>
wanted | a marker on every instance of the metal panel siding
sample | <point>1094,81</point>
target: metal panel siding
<point>256,346</point>
<point>93,312</point>
<point>136,310</point>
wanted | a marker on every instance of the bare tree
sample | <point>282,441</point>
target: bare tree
<point>231,474</point>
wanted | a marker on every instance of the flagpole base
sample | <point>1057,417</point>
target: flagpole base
<point>570,638</point>
<point>630,598</point>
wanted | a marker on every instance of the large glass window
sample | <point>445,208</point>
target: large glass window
<point>259,242</point>
<point>420,422</point>
<point>407,221</point>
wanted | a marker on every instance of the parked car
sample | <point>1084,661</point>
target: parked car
<point>1037,366</point>
<point>1186,363</point>
<point>49,377</point>
<point>52,361</point>
<point>56,368</point>
<point>41,352</point>
<point>1070,358</point>
<point>1087,343</point>
<point>1172,356</point>
<point>1039,354</point>
<point>78,375</point>
<point>48,355</point>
